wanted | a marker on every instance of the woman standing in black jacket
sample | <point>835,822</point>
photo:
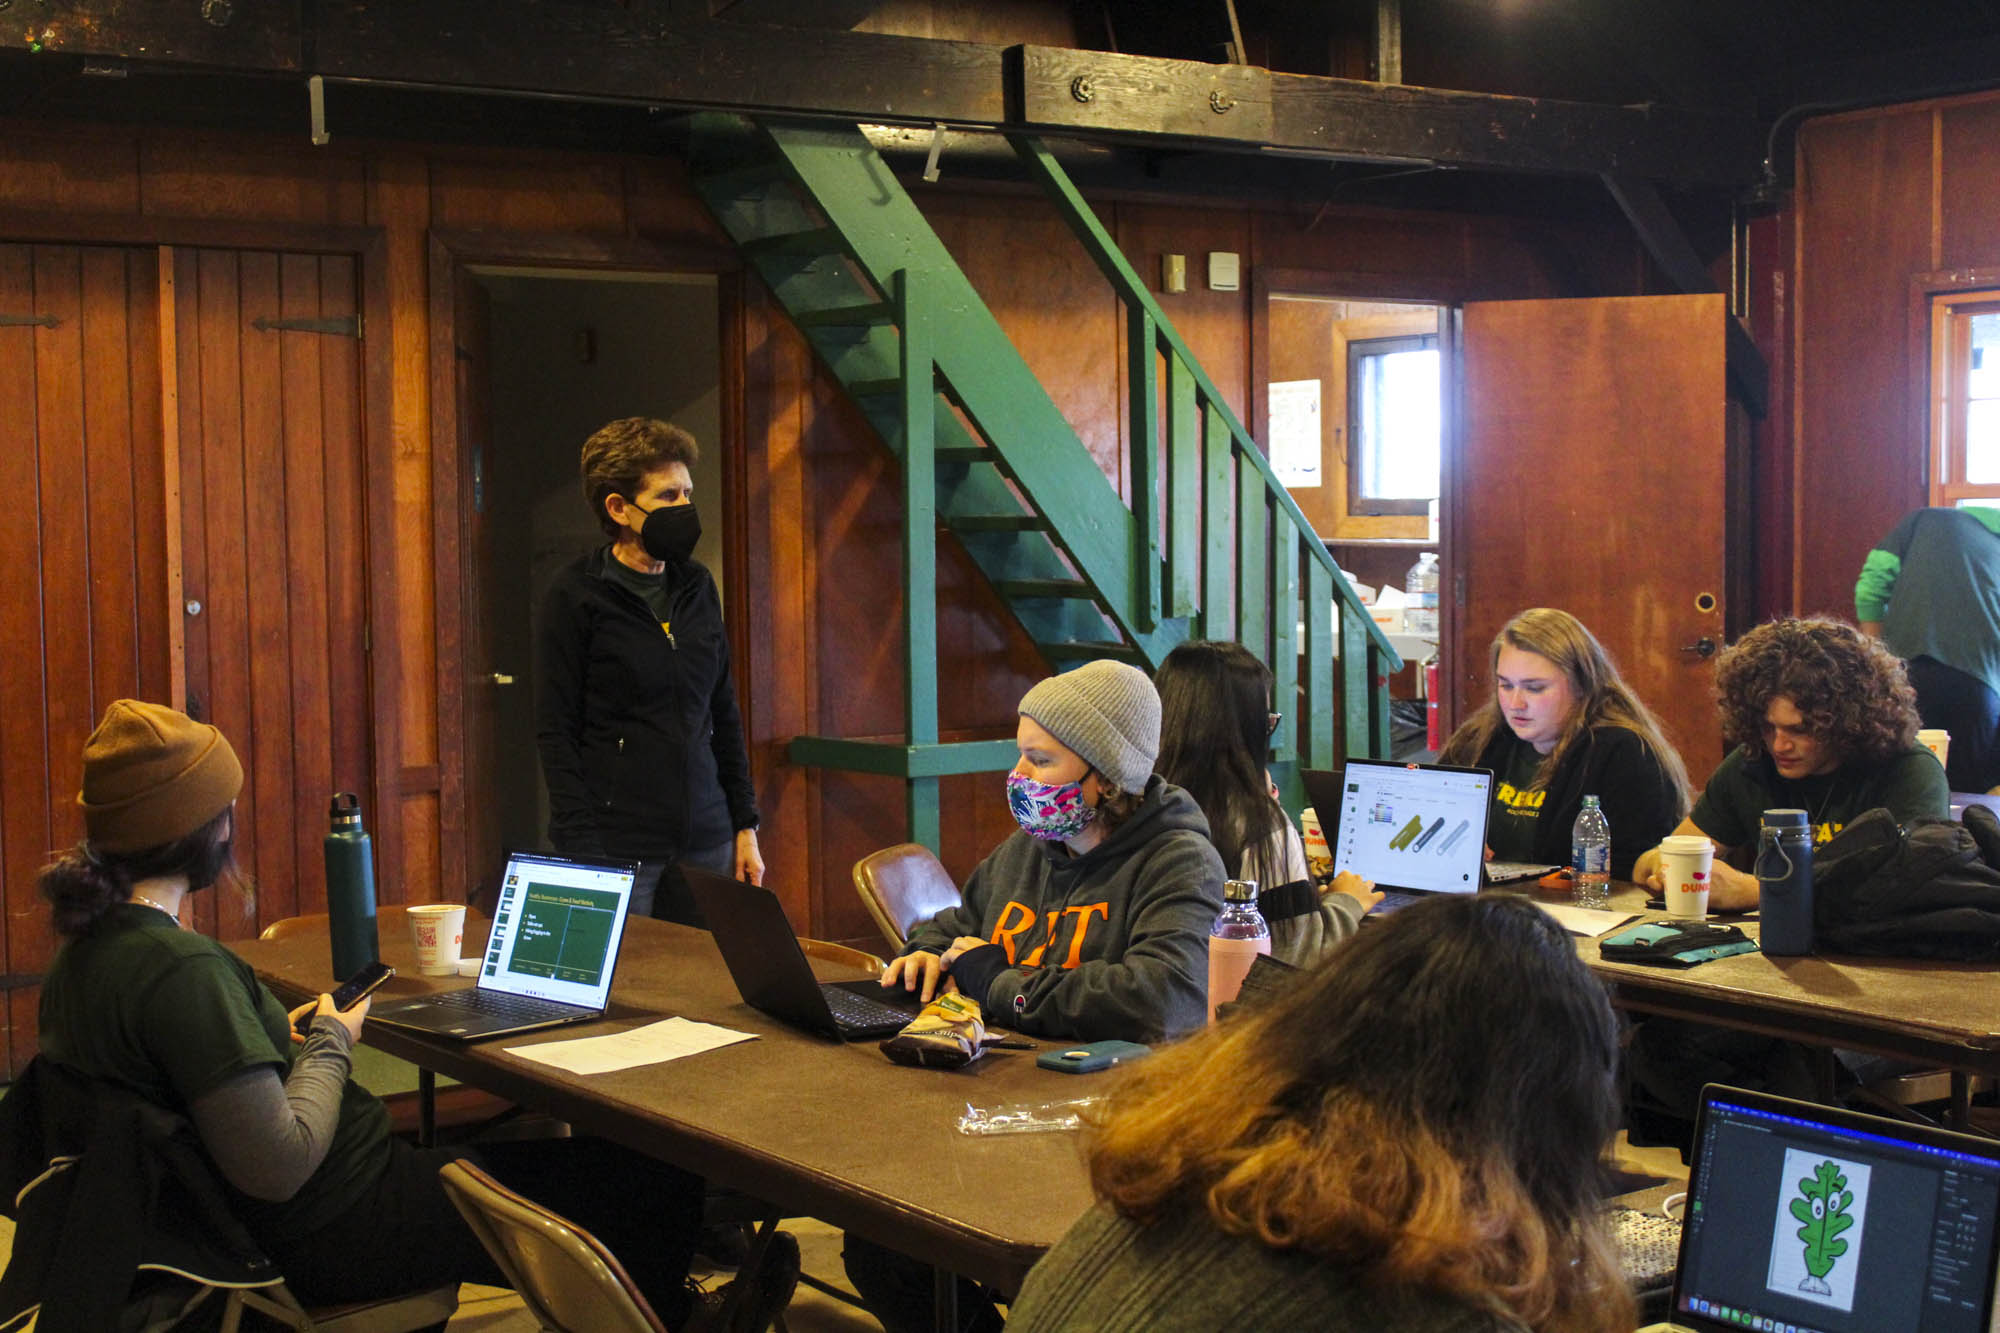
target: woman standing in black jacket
<point>1563,725</point>
<point>641,741</point>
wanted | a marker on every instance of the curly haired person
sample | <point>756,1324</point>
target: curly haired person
<point>1823,719</point>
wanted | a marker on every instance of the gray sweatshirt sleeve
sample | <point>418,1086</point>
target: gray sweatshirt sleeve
<point>269,1137</point>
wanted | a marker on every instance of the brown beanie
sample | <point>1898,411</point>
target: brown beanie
<point>151,776</point>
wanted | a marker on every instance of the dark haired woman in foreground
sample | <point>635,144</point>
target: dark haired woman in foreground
<point>1215,733</point>
<point>344,1210</point>
<point>1408,1139</point>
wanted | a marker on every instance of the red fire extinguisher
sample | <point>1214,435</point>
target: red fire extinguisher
<point>1433,737</point>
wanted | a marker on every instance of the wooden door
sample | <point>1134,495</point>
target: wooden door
<point>1593,476</point>
<point>84,619</point>
<point>496,687</point>
<point>275,559</point>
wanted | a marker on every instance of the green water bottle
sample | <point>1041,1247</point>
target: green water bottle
<point>350,889</point>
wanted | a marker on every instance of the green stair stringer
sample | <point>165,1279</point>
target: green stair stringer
<point>828,227</point>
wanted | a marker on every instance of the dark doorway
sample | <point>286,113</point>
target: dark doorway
<point>546,357</point>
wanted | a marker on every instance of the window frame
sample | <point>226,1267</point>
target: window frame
<point>1947,342</point>
<point>1359,349</point>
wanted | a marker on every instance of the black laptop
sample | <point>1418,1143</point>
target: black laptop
<point>772,973</point>
<point>556,929</point>
<point>1812,1219</point>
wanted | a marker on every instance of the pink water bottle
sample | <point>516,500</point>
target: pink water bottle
<point>1234,942</point>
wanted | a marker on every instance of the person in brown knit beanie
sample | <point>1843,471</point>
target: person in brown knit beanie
<point>345,1210</point>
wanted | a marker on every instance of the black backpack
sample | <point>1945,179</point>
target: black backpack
<point>1929,891</point>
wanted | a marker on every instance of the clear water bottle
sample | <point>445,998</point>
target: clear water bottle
<point>1234,942</point>
<point>1590,855</point>
<point>1784,869</point>
<point>1420,614</point>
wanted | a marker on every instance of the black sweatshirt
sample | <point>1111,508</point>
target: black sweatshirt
<point>1613,764</point>
<point>636,719</point>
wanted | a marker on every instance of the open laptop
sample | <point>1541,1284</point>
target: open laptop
<point>1415,829</point>
<point>1813,1219</point>
<point>771,971</point>
<point>556,929</point>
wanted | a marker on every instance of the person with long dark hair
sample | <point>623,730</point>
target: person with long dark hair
<point>1561,725</point>
<point>1216,721</point>
<point>1408,1138</point>
<point>133,999</point>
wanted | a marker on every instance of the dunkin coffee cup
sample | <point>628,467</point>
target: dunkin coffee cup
<point>437,930</point>
<point>1937,741</point>
<point>1685,862</point>
<point>1319,857</point>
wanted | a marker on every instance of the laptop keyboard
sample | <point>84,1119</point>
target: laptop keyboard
<point>1394,898</point>
<point>1649,1245</point>
<point>858,1011</point>
<point>497,1004</point>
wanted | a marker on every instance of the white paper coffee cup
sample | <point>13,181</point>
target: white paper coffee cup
<point>1937,741</point>
<point>1319,857</point>
<point>437,930</point>
<point>1686,860</point>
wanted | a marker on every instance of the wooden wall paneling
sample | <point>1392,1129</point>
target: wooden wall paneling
<point>1045,291</point>
<point>171,369</point>
<point>228,698</point>
<point>401,537</point>
<point>189,439</point>
<point>349,573</point>
<point>1863,194</point>
<point>779,556</point>
<point>1300,332</point>
<point>304,450</point>
<point>25,836</point>
<point>68,518</point>
<point>244,177</point>
<point>1968,184</point>
<point>573,193</point>
<point>1215,325</point>
<point>88,169</point>
<point>454,633</point>
<point>115,501</point>
<point>155,488</point>
<point>659,202</point>
<point>270,747</point>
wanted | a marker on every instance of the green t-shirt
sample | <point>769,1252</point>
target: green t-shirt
<point>1517,812</point>
<point>1730,810</point>
<point>171,1014</point>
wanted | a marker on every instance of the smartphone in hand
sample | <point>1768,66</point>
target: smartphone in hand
<point>362,984</point>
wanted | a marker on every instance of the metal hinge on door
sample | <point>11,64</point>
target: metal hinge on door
<point>34,321</point>
<point>343,326</point>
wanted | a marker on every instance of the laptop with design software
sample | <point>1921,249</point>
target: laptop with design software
<point>1814,1219</point>
<point>1415,829</point>
<point>771,972</point>
<point>556,930</point>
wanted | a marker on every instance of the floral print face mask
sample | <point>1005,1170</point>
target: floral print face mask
<point>1051,811</point>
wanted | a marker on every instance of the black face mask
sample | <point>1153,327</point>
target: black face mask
<point>670,533</point>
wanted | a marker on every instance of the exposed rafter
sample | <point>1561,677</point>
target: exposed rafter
<point>576,51</point>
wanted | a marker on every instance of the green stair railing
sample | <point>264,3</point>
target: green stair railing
<point>1219,551</point>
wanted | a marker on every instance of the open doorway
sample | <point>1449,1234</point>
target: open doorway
<point>1356,412</point>
<point>545,357</point>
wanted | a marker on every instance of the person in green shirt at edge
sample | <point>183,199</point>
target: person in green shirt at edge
<point>1822,719</point>
<point>1931,591</point>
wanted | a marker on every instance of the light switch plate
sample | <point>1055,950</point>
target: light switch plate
<point>1173,273</point>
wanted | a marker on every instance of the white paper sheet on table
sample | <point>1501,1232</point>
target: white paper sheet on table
<point>1586,921</point>
<point>655,1043</point>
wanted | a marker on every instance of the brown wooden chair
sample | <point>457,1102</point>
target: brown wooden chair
<point>901,886</point>
<point>294,925</point>
<point>828,951</point>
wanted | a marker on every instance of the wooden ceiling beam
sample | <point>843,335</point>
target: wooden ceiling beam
<point>583,52</point>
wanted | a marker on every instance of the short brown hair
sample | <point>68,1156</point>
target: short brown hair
<point>1853,693</point>
<point>619,454</point>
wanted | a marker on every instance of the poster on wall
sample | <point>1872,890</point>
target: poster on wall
<point>1295,433</point>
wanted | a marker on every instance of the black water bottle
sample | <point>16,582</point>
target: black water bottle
<point>350,889</point>
<point>1785,883</point>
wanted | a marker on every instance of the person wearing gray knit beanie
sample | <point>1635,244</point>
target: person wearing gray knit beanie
<point>1108,713</point>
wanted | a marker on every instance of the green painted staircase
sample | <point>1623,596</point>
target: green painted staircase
<point>1214,548</point>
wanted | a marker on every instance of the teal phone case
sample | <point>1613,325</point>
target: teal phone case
<point>1089,1057</point>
